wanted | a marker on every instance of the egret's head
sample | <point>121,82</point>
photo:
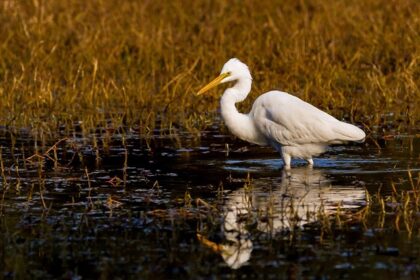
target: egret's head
<point>233,70</point>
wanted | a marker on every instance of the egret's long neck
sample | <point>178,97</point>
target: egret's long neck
<point>241,125</point>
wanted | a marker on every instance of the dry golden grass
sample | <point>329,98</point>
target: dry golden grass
<point>138,63</point>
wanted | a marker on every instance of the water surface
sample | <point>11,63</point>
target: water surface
<point>220,208</point>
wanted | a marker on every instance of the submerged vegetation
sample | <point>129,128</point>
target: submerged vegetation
<point>137,63</point>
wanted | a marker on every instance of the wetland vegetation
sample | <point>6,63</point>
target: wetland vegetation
<point>112,168</point>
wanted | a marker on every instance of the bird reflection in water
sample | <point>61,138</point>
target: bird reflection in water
<point>297,199</point>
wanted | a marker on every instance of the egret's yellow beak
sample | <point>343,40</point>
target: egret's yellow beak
<point>213,83</point>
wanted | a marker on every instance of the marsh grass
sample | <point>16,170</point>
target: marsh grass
<point>80,65</point>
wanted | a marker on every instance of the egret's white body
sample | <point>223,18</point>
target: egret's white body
<point>292,126</point>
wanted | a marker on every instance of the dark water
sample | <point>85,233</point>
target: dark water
<point>133,210</point>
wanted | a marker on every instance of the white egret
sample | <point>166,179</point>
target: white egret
<point>290,125</point>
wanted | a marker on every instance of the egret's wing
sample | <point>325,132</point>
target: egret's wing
<point>291,121</point>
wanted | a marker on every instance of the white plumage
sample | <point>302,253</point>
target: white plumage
<point>292,126</point>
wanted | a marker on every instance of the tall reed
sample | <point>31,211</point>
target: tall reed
<point>137,63</point>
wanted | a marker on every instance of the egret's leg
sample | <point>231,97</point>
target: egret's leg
<point>310,162</point>
<point>287,159</point>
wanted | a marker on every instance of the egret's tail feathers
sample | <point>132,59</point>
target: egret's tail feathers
<point>348,132</point>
